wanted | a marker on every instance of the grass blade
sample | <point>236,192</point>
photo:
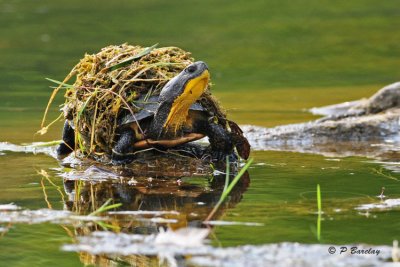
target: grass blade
<point>107,226</point>
<point>86,103</point>
<point>105,207</point>
<point>319,204</point>
<point>226,175</point>
<point>319,199</point>
<point>229,188</point>
<point>62,84</point>
<point>236,179</point>
<point>53,95</point>
<point>128,61</point>
<point>44,144</point>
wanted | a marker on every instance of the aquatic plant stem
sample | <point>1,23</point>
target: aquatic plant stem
<point>44,174</point>
<point>226,175</point>
<point>228,189</point>
<point>44,130</point>
<point>77,188</point>
<point>105,207</point>
<point>319,205</point>
<point>53,95</point>
<point>43,144</point>
<point>46,199</point>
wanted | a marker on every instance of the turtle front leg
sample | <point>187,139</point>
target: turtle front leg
<point>220,142</point>
<point>68,144</point>
<point>123,147</point>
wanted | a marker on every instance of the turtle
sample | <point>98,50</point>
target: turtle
<point>175,117</point>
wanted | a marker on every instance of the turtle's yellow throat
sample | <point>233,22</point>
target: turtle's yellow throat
<point>180,108</point>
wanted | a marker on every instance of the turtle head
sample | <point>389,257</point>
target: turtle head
<point>178,95</point>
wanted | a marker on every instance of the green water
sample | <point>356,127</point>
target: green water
<point>269,60</point>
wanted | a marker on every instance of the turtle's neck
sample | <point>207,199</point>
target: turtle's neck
<point>156,129</point>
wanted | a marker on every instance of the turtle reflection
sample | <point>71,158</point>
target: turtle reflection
<point>147,205</point>
<point>181,202</point>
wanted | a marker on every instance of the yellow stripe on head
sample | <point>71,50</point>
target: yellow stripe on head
<point>194,88</point>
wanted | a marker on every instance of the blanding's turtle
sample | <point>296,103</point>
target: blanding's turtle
<point>171,119</point>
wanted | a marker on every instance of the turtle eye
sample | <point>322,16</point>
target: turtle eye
<point>191,69</point>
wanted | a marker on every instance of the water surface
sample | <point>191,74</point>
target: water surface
<point>268,68</point>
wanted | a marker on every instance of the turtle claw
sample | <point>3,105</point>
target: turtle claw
<point>239,140</point>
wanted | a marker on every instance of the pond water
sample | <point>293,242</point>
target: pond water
<point>274,202</point>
